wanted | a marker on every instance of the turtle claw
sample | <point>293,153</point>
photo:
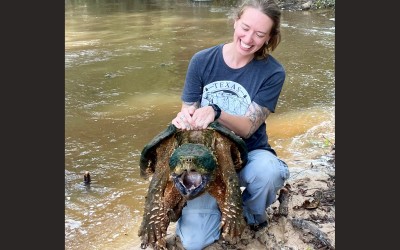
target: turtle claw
<point>232,229</point>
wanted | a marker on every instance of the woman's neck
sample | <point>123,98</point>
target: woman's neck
<point>233,59</point>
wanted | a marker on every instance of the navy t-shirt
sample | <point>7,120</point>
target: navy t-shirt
<point>210,80</point>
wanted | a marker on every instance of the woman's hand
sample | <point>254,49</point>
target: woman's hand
<point>183,119</point>
<point>203,117</point>
<point>194,119</point>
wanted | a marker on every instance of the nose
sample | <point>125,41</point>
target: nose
<point>247,38</point>
<point>188,163</point>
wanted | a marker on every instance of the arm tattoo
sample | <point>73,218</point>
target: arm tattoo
<point>195,104</point>
<point>257,115</point>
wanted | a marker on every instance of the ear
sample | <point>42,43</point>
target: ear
<point>234,24</point>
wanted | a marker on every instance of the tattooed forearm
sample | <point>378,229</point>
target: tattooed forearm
<point>257,115</point>
<point>195,104</point>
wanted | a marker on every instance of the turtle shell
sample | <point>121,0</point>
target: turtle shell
<point>148,154</point>
<point>174,137</point>
<point>185,164</point>
<point>235,138</point>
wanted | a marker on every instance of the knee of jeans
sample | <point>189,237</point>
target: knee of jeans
<point>197,241</point>
<point>194,245</point>
<point>284,170</point>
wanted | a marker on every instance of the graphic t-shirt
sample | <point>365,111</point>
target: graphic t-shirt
<point>210,80</point>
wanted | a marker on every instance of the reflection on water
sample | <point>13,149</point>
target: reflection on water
<point>125,63</point>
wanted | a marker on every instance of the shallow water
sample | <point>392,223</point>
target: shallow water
<point>125,64</point>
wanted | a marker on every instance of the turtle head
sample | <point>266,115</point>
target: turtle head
<point>192,168</point>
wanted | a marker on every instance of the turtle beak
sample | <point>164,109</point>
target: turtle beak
<point>189,182</point>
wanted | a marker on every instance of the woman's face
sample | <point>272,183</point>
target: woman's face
<point>252,30</point>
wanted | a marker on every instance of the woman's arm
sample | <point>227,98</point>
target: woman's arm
<point>245,126</point>
<point>191,117</point>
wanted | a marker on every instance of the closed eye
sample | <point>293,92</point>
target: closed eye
<point>261,35</point>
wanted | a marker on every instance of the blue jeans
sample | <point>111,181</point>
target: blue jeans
<point>262,177</point>
<point>198,226</point>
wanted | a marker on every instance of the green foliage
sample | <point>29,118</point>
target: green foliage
<point>327,143</point>
<point>322,4</point>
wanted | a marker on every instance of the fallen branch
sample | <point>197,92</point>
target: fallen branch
<point>310,227</point>
<point>284,201</point>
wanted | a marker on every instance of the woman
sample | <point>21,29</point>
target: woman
<point>238,84</point>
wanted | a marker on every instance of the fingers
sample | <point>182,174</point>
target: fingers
<point>201,124</point>
<point>186,116</point>
<point>182,121</point>
<point>193,119</point>
<point>202,118</point>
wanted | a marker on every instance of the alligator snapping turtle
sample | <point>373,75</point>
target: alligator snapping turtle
<point>184,164</point>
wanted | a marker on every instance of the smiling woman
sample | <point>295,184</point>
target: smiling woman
<point>244,81</point>
<point>125,64</point>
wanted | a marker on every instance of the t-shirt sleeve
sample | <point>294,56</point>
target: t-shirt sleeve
<point>193,87</point>
<point>269,92</point>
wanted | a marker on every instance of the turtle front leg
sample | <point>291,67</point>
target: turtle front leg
<point>174,202</point>
<point>155,220</point>
<point>232,221</point>
<point>228,195</point>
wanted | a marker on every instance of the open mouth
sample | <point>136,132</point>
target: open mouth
<point>191,180</point>
<point>244,45</point>
<point>190,184</point>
